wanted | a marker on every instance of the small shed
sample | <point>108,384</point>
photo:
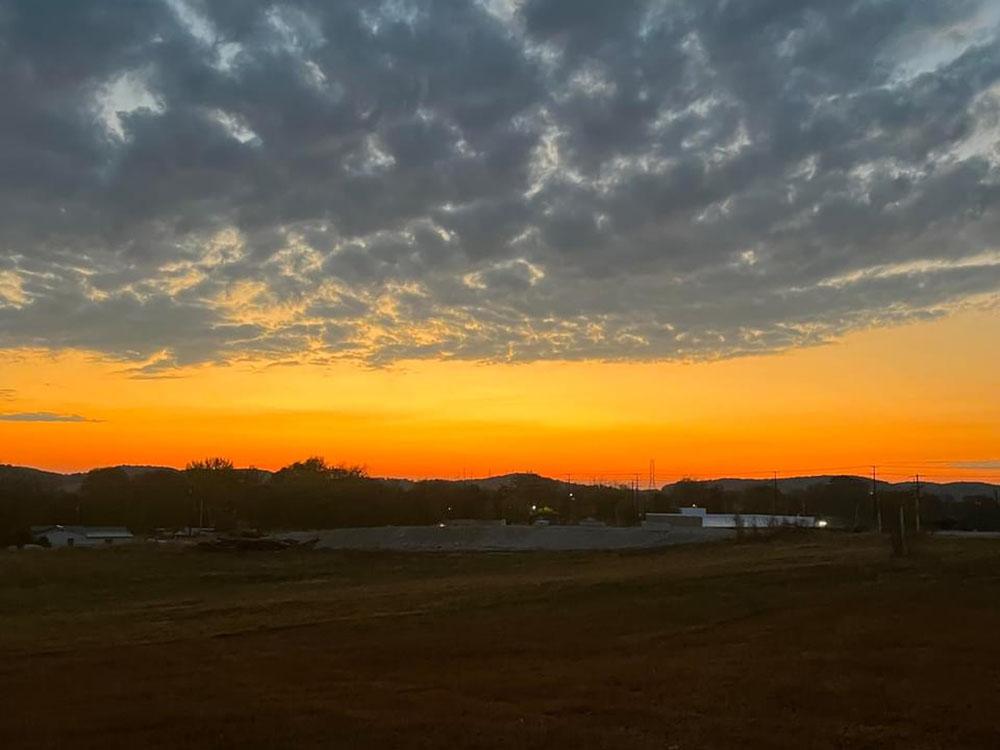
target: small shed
<point>81,536</point>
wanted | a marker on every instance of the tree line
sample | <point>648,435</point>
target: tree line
<point>315,494</point>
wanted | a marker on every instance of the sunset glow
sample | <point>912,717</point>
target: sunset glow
<point>919,398</point>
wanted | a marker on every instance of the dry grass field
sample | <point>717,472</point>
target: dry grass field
<point>810,641</point>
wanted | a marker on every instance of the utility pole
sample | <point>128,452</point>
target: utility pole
<point>916,507</point>
<point>635,485</point>
<point>774,494</point>
<point>902,531</point>
<point>876,509</point>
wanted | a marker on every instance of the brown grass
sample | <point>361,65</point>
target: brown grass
<point>804,642</point>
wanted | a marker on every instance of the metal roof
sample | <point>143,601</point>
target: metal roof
<point>90,532</point>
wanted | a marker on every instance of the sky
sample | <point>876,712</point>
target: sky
<point>450,237</point>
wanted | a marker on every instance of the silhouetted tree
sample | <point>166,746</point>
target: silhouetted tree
<point>215,487</point>
<point>316,494</point>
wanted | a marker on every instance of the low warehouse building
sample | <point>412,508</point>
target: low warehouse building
<point>695,516</point>
<point>81,536</point>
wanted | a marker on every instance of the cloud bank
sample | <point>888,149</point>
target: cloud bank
<point>187,181</point>
<point>42,416</point>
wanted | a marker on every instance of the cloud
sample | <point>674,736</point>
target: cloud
<point>43,416</point>
<point>989,465</point>
<point>185,182</point>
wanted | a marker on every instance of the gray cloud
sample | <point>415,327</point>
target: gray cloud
<point>43,416</point>
<point>202,180</point>
<point>990,465</point>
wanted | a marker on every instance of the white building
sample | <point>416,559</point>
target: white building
<point>695,516</point>
<point>81,536</point>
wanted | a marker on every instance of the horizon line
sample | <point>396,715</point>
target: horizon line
<point>989,478</point>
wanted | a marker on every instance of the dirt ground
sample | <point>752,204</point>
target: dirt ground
<point>812,641</point>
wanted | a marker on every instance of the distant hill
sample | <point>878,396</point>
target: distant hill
<point>509,480</point>
<point>953,490</point>
<point>946,490</point>
<point>47,479</point>
<point>136,471</point>
<point>956,490</point>
<point>68,482</point>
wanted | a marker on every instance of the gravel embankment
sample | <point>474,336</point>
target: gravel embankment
<point>506,538</point>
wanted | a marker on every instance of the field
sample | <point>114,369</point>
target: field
<point>819,641</point>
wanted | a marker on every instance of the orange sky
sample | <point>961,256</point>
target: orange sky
<point>923,397</point>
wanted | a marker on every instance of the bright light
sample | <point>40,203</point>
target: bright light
<point>821,524</point>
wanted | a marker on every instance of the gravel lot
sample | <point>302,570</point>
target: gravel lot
<point>512,538</point>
